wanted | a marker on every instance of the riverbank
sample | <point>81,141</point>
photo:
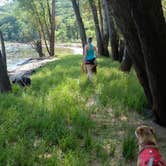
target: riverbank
<point>23,60</point>
<point>29,66</point>
<point>18,53</point>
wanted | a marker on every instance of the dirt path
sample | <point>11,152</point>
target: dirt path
<point>112,128</point>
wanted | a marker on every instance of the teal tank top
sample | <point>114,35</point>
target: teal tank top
<point>90,53</point>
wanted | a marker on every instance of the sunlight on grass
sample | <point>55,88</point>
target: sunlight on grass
<point>50,122</point>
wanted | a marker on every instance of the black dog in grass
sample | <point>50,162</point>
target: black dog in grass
<point>22,81</point>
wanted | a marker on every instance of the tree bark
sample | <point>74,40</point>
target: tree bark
<point>113,36</point>
<point>121,50</point>
<point>79,22</point>
<point>5,85</point>
<point>101,16</point>
<point>52,30</point>
<point>123,18</point>
<point>151,28</point>
<point>38,47</point>
<point>105,33</point>
<point>126,63</point>
<point>100,44</point>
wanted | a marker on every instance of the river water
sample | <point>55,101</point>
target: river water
<point>18,53</point>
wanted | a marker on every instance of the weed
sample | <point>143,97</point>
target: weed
<point>112,149</point>
<point>129,147</point>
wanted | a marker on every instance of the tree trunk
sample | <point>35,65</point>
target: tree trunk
<point>105,33</point>
<point>38,48</point>
<point>113,36</point>
<point>4,79</point>
<point>103,26</point>
<point>151,28</point>
<point>121,50</point>
<point>124,21</point>
<point>126,63</point>
<point>52,27</point>
<point>100,43</point>
<point>80,23</point>
<point>101,17</point>
<point>38,19</point>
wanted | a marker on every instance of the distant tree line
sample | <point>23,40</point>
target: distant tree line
<point>18,25</point>
<point>13,30</point>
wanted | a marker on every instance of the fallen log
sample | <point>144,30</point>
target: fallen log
<point>21,75</point>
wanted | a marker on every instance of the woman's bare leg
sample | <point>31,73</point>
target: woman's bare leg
<point>89,72</point>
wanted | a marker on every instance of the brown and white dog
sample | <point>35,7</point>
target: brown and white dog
<point>149,154</point>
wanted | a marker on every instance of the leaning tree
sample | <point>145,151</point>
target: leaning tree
<point>113,35</point>
<point>100,43</point>
<point>79,21</point>
<point>143,26</point>
<point>42,13</point>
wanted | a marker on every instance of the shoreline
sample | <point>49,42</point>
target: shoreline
<point>27,68</point>
<point>18,52</point>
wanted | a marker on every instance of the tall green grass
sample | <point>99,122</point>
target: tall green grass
<point>50,123</point>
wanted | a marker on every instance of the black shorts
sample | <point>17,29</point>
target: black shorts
<point>90,62</point>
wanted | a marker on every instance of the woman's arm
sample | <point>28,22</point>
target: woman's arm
<point>96,51</point>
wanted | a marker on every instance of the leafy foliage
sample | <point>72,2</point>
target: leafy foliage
<point>164,7</point>
<point>66,27</point>
<point>15,25</point>
<point>20,23</point>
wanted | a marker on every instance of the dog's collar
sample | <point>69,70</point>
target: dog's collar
<point>149,145</point>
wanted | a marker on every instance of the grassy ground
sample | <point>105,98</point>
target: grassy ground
<point>64,120</point>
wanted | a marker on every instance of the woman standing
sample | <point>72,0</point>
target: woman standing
<point>89,58</point>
